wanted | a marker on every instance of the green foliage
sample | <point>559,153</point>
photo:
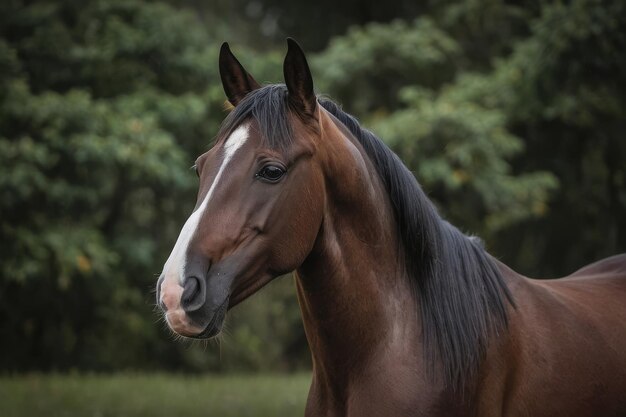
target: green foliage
<point>101,110</point>
<point>511,116</point>
<point>367,67</point>
<point>104,106</point>
<point>567,84</point>
<point>267,333</point>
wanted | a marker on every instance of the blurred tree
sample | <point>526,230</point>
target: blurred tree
<point>103,107</point>
<point>564,91</point>
<point>269,22</point>
<point>368,66</point>
<point>509,113</point>
<point>88,117</point>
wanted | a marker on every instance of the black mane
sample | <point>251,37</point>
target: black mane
<point>460,291</point>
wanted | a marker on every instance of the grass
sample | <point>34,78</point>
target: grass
<point>153,395</point>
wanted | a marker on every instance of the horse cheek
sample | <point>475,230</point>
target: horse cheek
<point>297,237</point>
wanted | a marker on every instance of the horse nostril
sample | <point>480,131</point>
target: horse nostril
<point>194,292</point>
<point>190,288</point>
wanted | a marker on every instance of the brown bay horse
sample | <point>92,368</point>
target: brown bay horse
<point>404,314</point>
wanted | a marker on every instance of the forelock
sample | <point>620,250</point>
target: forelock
<point>269,108</point>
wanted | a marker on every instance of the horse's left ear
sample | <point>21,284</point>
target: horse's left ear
<point>235,79</point>
<point>299,80</point>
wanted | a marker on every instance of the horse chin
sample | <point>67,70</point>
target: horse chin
<point>214,327</point>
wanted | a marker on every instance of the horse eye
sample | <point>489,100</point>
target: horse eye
<point>271,173</point>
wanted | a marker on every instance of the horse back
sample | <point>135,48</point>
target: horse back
<point>590,303</point>
<point>614,266</point>
<point>595,293</point>
<point>567,347</point>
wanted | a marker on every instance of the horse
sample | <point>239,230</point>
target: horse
<point>403,313</point>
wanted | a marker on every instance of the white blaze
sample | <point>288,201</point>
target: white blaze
<point>177,260</point>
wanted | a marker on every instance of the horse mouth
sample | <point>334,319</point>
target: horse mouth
<point>214,327</point>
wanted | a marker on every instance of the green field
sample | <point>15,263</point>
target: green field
<point>153,395</point>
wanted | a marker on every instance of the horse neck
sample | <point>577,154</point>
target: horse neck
<point>355,297</point>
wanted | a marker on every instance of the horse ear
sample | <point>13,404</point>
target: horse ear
<point>235,79</point>
<point>298,79</point>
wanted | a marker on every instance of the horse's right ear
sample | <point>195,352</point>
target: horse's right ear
<point>235,79</point>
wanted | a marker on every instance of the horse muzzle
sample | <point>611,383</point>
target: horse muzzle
<point>197,308</point>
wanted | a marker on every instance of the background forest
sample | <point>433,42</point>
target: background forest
<point>512,114</point>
